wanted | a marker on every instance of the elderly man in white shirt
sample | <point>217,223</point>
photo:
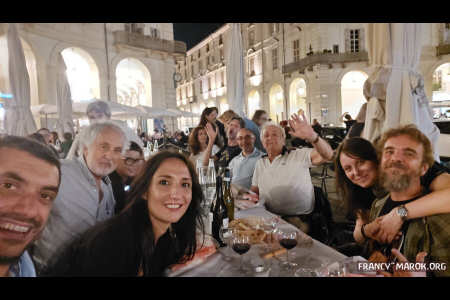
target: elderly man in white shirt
<point>243,165</point>
<point>282,180</point>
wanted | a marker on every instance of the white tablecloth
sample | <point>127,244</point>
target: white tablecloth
<point>312,256</point>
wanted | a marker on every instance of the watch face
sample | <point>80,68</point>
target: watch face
<point>402,212</point>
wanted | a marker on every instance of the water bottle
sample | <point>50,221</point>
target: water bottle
<point>211,181</point>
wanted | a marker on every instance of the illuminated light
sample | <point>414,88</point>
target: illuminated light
<point>205,95</point>
<point>213,94</point>
<point>256,80</point>
<point>301,91</point>
<point>6,96</point>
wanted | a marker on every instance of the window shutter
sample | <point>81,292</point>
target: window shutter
<point>362,40</point>
<point>347,40</point>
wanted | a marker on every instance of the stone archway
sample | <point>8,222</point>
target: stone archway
<point>133,83</point>
<point>82,74</point>
<point>253,103</point>
<point>352,97</point>
<point>297,96</point>
<point>276,99</point>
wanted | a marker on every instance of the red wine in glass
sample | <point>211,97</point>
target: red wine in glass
<point>241,248</point>
<point>288,243</point>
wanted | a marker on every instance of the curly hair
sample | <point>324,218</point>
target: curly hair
<point>194,144</point>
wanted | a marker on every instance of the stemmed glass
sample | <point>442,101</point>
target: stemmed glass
<point>241,245</point>
<point>269,226</point>
<point>288,239</point>
<point>226,235</point>
<point>203,180</point>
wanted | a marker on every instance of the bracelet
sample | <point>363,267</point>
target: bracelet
<point>362,231</point>
<point>316,139</point>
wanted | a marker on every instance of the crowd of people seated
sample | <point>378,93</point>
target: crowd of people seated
<point>92,205</point>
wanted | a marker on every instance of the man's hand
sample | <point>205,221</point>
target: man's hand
<point>253,197</point>
<point>301,128</point>
<point>390,226</point>
<point>371,229</point>
<point>212,134</point>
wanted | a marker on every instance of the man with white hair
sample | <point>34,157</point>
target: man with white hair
<point>282,180</point>
<point>85,196</point>
<point>99,111</point>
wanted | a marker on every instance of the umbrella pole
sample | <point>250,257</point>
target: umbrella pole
<point>46,121</point>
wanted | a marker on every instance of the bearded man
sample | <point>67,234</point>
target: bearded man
<point>85,196</point>
<point>406,155</point>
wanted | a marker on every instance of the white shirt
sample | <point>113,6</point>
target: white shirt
<point>200,156</point>
<point>285,185</point>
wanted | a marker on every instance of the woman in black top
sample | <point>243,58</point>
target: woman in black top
<point>356,165</point>
<point>156,230</point>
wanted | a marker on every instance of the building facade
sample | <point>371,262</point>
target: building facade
<point>130,63</point>
<point>317,67</point>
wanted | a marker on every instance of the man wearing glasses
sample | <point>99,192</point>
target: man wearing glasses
<point>127,168</point>
<point>85,196</point>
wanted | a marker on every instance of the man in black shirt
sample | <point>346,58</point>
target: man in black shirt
<point>127,168</point>
<point>406,155</point>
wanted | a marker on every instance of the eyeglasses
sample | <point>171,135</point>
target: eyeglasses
<point>131,161</point>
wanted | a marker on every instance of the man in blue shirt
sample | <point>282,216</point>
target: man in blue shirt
<point>243,165</point>
<point>29,182</point>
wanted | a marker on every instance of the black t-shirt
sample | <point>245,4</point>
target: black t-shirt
<point>226,154</point>
<point>119,191</point>
<point>433,172</point>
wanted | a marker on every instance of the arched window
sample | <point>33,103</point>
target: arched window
<point>253,103</point>
<point>82,74</point>
<point>276,99</point>
<point>297,96</point>
<point>441,83</point>
<point>133,83</point>
<point>352,97</point>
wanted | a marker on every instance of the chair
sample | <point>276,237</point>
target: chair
<point>324,176</point>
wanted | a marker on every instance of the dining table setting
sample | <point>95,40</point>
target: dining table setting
<point>261,244</point>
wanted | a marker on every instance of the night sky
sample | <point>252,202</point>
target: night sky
<point>193,33</point>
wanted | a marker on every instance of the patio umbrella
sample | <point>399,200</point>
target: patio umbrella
<point>18,118</point>
<point>235,70</point>
<point>185,114</point>
<point>406,101</point>
<point>156,112</point>
<point>379,49</point>
<point>63,100</point>
<point>44,109</point>
<point>117,109</point>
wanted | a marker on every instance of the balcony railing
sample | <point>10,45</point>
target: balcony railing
<point>325,58</point>
<point>148,42</point>
<point>443,49</point>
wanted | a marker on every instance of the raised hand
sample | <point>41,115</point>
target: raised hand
<point>301,128</point>
<point>212,134</point>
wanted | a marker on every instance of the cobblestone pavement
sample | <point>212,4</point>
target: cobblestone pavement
<point>337,204</point>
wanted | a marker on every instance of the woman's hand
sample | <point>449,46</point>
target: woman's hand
<point>301,128</point>
<point>371,229</point>
<point>212,134</point>
<point>390,226</point>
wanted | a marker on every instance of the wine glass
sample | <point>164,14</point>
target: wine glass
<point>241,245</point>
<point>269,226</point>
<point>226,235</point>
<point>288,239</point>
<point>203,180</point>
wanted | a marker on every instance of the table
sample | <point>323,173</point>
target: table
<point>216,265</point>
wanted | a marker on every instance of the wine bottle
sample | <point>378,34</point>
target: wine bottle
<point>220,212</point>
<point>228,198</point>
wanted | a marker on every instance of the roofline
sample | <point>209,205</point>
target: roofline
<point>203,42</point>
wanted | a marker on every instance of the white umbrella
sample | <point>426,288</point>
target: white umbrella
<point>185,114</point>
<point>156,112</point>
<point>44,109</point>
<point>18,118</point>
<point>63,100</point>
<point>117,109</point>
<point>235,70</point>
<point>406,101</point>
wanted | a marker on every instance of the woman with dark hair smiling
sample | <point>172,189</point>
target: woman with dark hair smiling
<point>198,142</point>
<point>156,230</point>
<point>356,165</point>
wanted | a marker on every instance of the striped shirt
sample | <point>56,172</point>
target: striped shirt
<point>75,209</point>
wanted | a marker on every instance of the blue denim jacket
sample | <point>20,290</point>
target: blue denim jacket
<point>23,268</point>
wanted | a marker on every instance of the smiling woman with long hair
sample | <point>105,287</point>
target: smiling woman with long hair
<point>156,230</point>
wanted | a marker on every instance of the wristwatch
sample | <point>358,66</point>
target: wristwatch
<point>402,212</point>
